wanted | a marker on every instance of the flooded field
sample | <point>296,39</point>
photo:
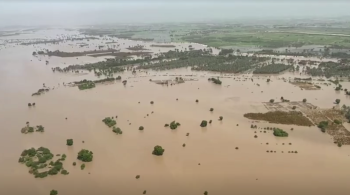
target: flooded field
<point>226,157</point>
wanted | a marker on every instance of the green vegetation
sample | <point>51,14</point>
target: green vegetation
<point>272,100</point>
<point>82,166</point>
<point>137,176</point>
<point>64,172</point>
<point>29,129</point>
<point>280,133</point>
<point>338,122</point>
<point>205,193</point>
<point>69,142</point>
<point>166,125</point>
<point>141,128</point>
<point>117,130</point>
<point>304,100</point>
<point>85,155</point>
<point>87,85</point>
<point>197,101</point>
<point>158,150</point>
<point>53,192</point>
<point>152,102</point>
<point>174,125</point>
<point>220,118</point>
<point>144,192</point>
<point>329,69</point>
<point>272,69</point>
<point>339,144</point>
<point>337,101</point>
<point>211,109</point>
<point>203,123</point>
<point>279,117</point>
<point>323,125</point>
<point>109,122</point>
<point>74,163</point>
<point>216,81</point>
<point>37,159</point>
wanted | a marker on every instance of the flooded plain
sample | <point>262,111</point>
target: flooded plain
<point>209,162</point>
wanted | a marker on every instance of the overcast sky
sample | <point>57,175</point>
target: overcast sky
<point>75,12</point>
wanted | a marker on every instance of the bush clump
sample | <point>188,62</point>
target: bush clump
<point>69,142</point>
<point>109,122</point>
<point>53,192</point>
<point>85,155</point>
<point>117,130</point>
<point>280,133</point>
<point>323,125</point>
<point>141,128</point>
<point>203,123</point>
<point>158,150</point>
<point>174,125</point>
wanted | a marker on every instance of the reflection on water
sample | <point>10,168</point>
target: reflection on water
<point>318,168</point>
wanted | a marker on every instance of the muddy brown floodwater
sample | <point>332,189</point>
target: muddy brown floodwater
<point>319,167</point>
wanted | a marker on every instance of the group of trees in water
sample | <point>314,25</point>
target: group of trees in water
<point>272,69</point>
<point>36,160</point>
<point>329,69</point>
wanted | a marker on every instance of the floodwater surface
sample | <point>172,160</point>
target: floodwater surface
<point>209,162</point>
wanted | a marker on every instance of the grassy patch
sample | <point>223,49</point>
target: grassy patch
<point>279,117</point>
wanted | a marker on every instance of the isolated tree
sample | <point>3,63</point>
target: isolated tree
<point>158,150</point>
<point>337,101</point>
<point>69,142</point>
<point>203,123</point>
<point>85,155</point>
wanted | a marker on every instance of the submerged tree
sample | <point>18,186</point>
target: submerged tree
<point>203,123</point>
<point>85,155</point>
<point>69,142</point>
<point>158,150</point>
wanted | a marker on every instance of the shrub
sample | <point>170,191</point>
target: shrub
<point>197,101</point>
<point>74,163</point>
<point>255,136</point>
<point>337,101</point>
<point>29,104</point>
<point>280,133</point>
<point>69,142</point>
<point>294,107</point>
<point>272,100</point>
<point>203,123</point>
<point>39,128</point>
<point>339,144</point>
<point>141,128</point>
<point>137,176</point>
<point>64,172</point>
<point>236,148</point>
<point>216,81</point>
<point>323,125</point>
<point>338,122</point>
<point>211,109</point>
<point>53,192</point>
<point>174,125</point>
<point>144,192</point>
<point>166,125</point>
<point>158,150</point>
<point>220,118</point>
<point>304,100</point>
<point>205,193</point>
<point>109,122</point>
<point>183,145</point>
<point>85,155</point>
<point>152,102</point>
<point>268,80</point>
<point>82,167</point>
<point>210,121</point>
